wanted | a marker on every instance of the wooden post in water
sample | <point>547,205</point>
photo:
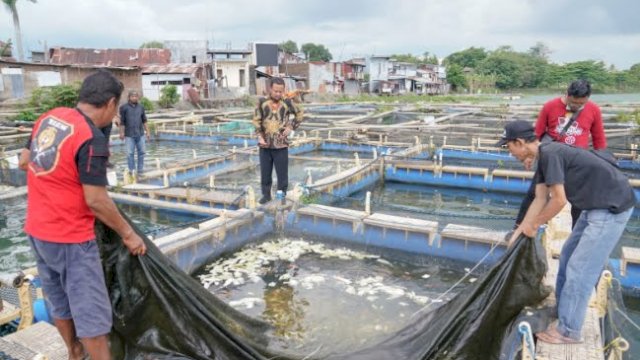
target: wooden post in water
<point>357,158</point>
<point>212,181</point>
<point>165,178</point>
<point>367,203</point>
<point>195,155</point>
<point>251,198</point>
<point>157,163</point>
<point>309,178</point>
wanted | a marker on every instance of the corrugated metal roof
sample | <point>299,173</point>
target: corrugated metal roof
<point>171,69</point>
<point>10,61</point>
<point>109,57</point>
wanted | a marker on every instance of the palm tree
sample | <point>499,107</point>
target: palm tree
<point>11,5</point>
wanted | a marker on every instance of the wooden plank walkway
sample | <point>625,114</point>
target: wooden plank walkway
<point>14,192</point>
<point>591,348</point>
<point>168,205</point>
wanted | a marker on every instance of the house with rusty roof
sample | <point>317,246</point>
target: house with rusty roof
<point>157,68</point>
<point>183,76</point>
<point>108,57</point>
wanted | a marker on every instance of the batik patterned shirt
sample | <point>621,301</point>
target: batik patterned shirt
<point>271,119</point>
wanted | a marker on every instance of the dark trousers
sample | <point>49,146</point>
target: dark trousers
<point>528,199</point>
<point>269,158</point>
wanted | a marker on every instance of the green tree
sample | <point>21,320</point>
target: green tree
<point>633,75</point>
<point>168,96</point>
<point>428,58</point>
<point>470,57</point>
<point>316,52</point>
<point>540,50</point>
<point>514,69</point>
<point>455,77</point>
<point>408,58</point>
<point>11,6</point>
<point>591,70</point>
<point>506,68</point>
<point>44,99</point>
<point>6,49</point>
<point>146,104</point>
<point>289,46</point>
<point>154,44</point>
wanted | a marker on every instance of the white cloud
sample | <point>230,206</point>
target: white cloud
<point>575,30</point>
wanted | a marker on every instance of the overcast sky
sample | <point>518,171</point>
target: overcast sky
<point>607,30</point>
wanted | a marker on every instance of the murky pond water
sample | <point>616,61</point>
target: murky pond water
<point>15,252</point>
<point>324,295</point>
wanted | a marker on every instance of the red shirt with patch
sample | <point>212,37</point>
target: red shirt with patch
<point>554,116</point>
<point>66,151</point>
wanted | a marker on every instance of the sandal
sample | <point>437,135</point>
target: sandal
<point>552,336</point>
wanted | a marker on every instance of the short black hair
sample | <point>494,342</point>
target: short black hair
<point>277,81</point>
<point>99,87</point>
<point>579,89</point>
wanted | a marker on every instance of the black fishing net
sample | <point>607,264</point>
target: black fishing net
<point>620,327</point>
<point>160,312</point>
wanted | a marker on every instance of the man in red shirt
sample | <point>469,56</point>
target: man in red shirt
<point>554,120</point>
<point>66,160</point>
<point>556,113</point>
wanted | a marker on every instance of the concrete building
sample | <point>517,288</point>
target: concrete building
<point>318,76</point>
<point>18,79</point>
<point>231,69</point>
<point>377,68</point>
<point>183,76</point>
<point>402,76</point>
<point>187,51</point>
<point>432,80</point>
<point>353,72</point>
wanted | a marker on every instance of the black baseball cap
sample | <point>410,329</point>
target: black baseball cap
<point>517,129</point>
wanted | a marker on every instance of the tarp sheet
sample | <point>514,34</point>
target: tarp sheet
<point>160,312</point>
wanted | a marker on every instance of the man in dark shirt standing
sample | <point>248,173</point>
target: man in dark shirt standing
<point>106,131</point>
<point>273,124</point>
<point>133,129</point>
<point>591,182</point>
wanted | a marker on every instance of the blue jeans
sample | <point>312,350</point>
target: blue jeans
<point>582,260</point>
<point>135,143</point>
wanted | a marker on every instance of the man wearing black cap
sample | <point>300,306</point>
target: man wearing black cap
<point>592,183</point>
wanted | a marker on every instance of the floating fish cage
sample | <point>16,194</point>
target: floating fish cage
<point>377,222</point>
